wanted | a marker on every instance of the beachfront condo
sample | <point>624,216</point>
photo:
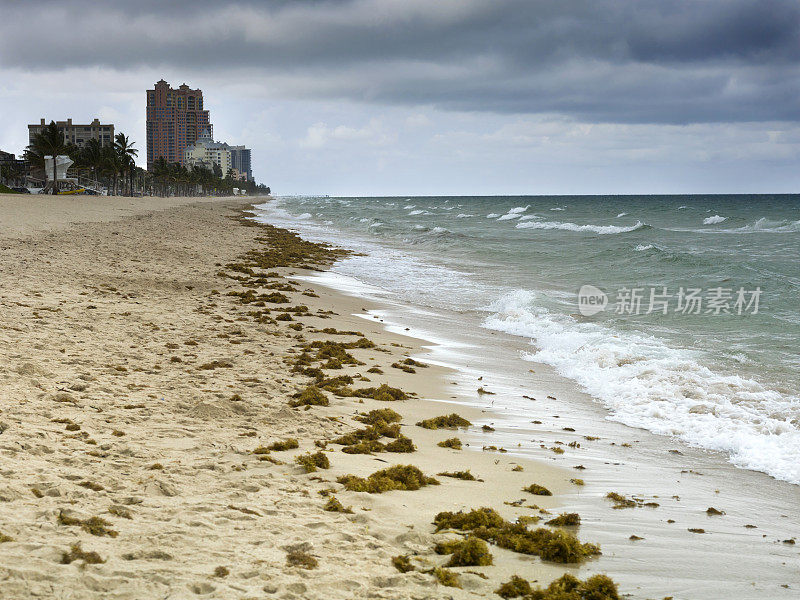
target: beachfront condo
<point>77,134</point>
<point>175,119</point>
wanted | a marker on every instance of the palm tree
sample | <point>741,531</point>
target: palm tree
<point>49,142</point>
<point>125,154</point>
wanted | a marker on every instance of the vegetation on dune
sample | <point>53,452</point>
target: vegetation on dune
<point>398,477</point>
<point>451,421</point>
<point>486,524</point>
<point>566,587</point>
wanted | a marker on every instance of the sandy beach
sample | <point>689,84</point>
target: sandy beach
<point>142,387</point>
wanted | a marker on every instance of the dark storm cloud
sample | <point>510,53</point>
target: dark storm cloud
<point>647,61</point>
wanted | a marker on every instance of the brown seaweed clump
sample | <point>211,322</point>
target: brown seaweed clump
<point>554,546</point>
<point>94,525</point>
<point>333,505</point>
<point>471,552</point>
<point>298,558</point>
<point>446,577</point>
<point>77,553</point>
<point>311,462</point>
<point>537,490</point>
<point>566,587</point>
<point>374,417</point>
<point>465,475</point>
<point>565,520</point>
<point>398,477</point>
<point>453,443</point>
<point>402,564</point>
<point>451,421</point>
<point>287,444</point>
<point>311,396</point>
<point>621,501</point>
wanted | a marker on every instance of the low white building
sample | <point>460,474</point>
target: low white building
<point>205,152</point>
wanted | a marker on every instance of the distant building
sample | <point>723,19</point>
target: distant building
<point>77,134</point>
<point>205,152</point>
<point>240,160</point>
<point>175,119</point>
<point>6,157</point>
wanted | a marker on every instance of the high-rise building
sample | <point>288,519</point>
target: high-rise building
<point>175,119</point>
<point>240,160</point>
<point>77,134</point>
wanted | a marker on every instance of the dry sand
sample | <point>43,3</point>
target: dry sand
<point>108,310</point>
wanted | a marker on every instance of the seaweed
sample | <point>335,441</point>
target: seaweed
<point>537,490</point>
<point>221,571</point>
<point>5,538</point>
<point>95,487</point>
<point>120,511</point>
<point>311,462</point>
<point>566,587</point>
<point>566,520</point>
<point>333,505</point>
<point>287,444</point>
<point>375,370</point>
<point>451,421</point>
<point>466,475</point>
<point>311,396</point>
<point>384,393</point>
<point>402,564</point>
<point>620,501</point>
<point>216,364</point>
<point>453,443</point>
<point>398,477</point>
<point>380,415</point>
<point>446,577</point>
<point>401,444</point>
<point>77,553</point>
<point>298,558</point>
<point>485,523</point>
<point>94,525</point>
<point>711,511</point>
<point>576,481</point>
<point>514,588</point>
<point>471,552</point>
<point>518,468</point>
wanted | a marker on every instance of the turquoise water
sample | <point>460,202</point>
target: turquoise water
<point>722,376</point>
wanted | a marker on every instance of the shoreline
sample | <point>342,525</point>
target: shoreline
<point>137,393</point>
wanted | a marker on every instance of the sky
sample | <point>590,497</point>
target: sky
<point>444,97</point>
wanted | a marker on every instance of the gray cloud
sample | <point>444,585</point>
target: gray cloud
<point>684,61</point>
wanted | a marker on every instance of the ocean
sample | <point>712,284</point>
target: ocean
<point>687,324</point>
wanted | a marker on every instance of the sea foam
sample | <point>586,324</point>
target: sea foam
<point>599,229</point>
<point>647,384</point>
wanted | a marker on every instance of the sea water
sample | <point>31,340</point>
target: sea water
<point>698,336</point>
